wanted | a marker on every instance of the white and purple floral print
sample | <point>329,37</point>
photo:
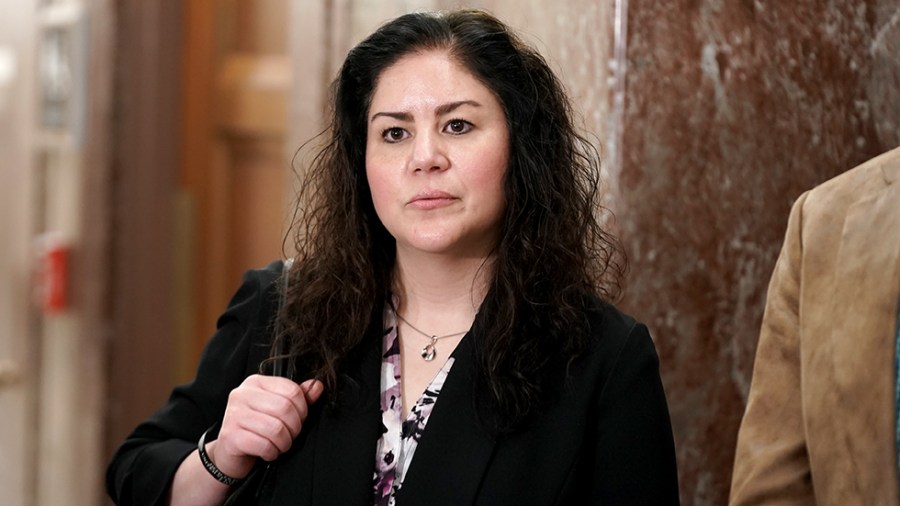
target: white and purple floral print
<point>399,437</point>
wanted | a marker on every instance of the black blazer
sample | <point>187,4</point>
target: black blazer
<point>605,438</point>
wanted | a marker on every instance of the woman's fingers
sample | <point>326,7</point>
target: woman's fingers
<point>263,417</point>
<point>269,428</point>
<point>245,442</point>
<point>313,389</point>
<point>285,413</point>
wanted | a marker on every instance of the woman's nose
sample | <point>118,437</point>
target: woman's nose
<point>429,153</point>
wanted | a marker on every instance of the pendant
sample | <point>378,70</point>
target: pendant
<point>428,351</point>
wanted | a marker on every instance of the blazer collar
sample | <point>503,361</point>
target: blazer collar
<point>455,450</point>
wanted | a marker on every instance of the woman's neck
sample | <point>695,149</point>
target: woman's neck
<point>438,294</point>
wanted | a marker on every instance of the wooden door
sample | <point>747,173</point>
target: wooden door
<point>235,185</point>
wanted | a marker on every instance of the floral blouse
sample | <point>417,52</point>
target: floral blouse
<point>399,437</point>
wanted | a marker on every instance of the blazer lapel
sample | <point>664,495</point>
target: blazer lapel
<point>454,451</point>
<point>867,290</point>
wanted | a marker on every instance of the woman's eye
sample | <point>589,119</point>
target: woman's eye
<point>458,126</point>
<point>395,134</point>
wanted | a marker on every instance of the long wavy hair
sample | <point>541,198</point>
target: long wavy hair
<point>552,257</point>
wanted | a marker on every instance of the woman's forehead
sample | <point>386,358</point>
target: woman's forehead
<point>427,79</point>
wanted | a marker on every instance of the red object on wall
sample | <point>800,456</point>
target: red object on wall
<point>52,274</point>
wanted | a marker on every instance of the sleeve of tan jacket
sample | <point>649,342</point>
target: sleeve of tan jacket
<point>771,463</point>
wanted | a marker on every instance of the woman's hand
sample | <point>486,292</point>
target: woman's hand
<point>263,416</point>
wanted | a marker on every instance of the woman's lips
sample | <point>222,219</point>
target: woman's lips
<point>431,200</point>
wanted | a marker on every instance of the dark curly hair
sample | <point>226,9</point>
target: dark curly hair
<point>552,257</point>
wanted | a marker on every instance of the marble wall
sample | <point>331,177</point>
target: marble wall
<point>732,110</point>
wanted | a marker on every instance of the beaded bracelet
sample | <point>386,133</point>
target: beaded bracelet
<point>210,466</point>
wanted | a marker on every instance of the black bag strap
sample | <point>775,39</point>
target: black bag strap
<point>281,366</point>
<point>250,490</point>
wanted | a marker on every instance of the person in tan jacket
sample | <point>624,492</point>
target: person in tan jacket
<point>821,419</point>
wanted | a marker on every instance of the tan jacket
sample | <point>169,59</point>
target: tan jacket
<point>820,421</point>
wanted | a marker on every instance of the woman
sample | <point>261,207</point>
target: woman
<point>445,318</point>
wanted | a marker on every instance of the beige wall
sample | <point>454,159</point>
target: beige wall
<point>17,351</point>
<point>50,431</point>
<point>576,37</point>
<point>71,168</point>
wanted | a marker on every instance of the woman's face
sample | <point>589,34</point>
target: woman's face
<point>437,150</point>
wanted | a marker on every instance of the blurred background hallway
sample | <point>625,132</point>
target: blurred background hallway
<point>147,152</point>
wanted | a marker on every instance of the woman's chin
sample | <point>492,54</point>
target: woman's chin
<point>444,246</point>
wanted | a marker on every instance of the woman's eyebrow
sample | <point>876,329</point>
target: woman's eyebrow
<point>452,106</point>
<point>439,110</point>
<point>400,116</point>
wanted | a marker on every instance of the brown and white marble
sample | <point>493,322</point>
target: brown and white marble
<point>732,110</point>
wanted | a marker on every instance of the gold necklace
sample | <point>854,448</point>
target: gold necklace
<point>429,350</point>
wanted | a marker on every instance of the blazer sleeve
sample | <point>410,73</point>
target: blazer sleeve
<point>143,466</point>
<point>634,458</point>
<point>771,462</point>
